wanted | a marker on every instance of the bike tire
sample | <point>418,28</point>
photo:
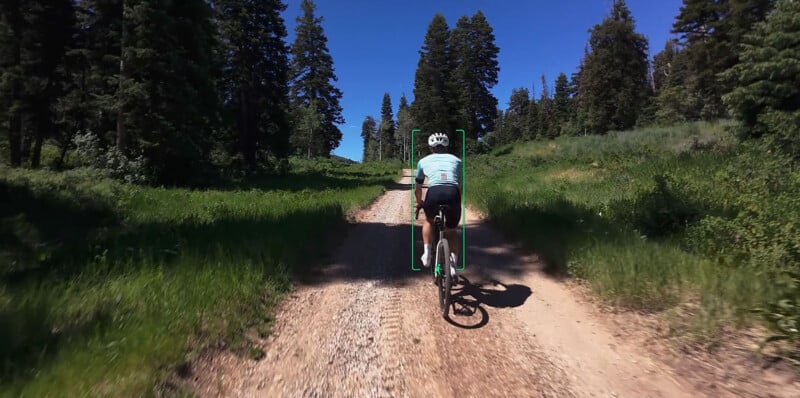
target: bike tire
<point>446,281</point>
<point>434,259</point>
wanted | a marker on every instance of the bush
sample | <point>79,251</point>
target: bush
<point>784,314</point>
<point>759,229</point>
<point>475,147</point>
<point>110,160</point>
<point>661,211</point>
<point>503,150</point>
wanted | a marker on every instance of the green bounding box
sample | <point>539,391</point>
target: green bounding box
<point>463,200</point>
<point>413,187</point>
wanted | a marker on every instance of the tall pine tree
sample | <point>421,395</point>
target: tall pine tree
<point>308,128</point>
<point>613,80</point>
<point>546,113</point>
<point>404,126</point>
<point>368,131</point>
<point>663,65</point>
<point>96,75</point>
<point>388,146</point>
<point>74,108</point>
<point>515,120</point>
<point>674,102</point>
<point>474,52</point>
<point>711,31</point>
<point>532,122</point>
<point>34,38</point>
<point>256,75</point>
<point>167,102</point>
<point>312,77</point>
<point>577,124</point>
<point>495,137</point>
<point>433,108</point>
<point>766,99</point>
<point>561,103</point>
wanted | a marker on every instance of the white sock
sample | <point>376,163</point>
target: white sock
<point>454,259</point>
<point>427,250</point>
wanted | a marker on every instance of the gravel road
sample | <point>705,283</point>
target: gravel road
<point>369,327</point>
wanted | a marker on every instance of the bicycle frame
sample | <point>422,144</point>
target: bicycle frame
<point>438,232</point>
<point>443,280</point>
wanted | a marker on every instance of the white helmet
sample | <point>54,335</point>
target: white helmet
<point>437,139</point>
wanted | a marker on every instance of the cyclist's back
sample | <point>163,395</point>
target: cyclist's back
<point>440,168</point>
<point>444,176</point>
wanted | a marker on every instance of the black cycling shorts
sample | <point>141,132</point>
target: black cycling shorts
<point>443,195</point>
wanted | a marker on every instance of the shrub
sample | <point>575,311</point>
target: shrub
<point>663,210</point>
<point>503,150</point>
<point>759,227</point>
<point>110,160</point>
<point>783,316</point>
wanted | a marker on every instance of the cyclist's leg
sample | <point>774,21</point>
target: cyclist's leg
<point>453,239</point>
<point>427,231</point>
<point>453,219</point>
<point>429,209</point>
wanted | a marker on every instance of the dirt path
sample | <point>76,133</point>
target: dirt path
<point>370,328</point>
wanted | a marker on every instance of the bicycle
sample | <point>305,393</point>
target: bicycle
<point>444,283</point>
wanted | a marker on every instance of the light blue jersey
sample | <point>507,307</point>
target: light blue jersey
<point>440,168</point>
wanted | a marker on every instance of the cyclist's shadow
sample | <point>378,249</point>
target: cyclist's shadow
<point>469,299</point>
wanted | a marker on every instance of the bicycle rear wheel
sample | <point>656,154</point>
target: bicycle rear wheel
<point>446,278</point>
<point>434,259</point>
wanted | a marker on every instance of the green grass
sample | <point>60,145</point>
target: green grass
<point>107,288</point>
<point>592,208</point>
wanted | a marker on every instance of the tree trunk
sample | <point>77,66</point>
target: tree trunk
<point>62,155</point>
<point>246,129</point>
<point>36,157</point>
<point>43,123</point>
<point>122,129</point>
<point>15,138</point>
<point>82,123</point>
<point>26,137</point>
<point>242,124</point>
<point>15,117</point>
<point>310,136</point>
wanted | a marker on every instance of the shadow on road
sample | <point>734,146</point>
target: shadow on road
<point>397,186</point>
<point>500,296</point>
<point>470,298</point>
<point>465,311</point>
<point>383,252</point>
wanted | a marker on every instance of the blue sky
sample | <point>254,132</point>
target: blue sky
<point>375,44</point>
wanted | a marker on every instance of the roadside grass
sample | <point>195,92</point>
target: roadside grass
<point>638,216</point>
<point>106,289</point>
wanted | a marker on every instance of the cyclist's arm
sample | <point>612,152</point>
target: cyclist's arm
<point>420,179</point>
<point>459,178</point>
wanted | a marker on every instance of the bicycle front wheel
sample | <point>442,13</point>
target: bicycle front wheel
<point>446,277</point>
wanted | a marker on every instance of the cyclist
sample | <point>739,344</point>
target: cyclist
<point>444,188</point>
